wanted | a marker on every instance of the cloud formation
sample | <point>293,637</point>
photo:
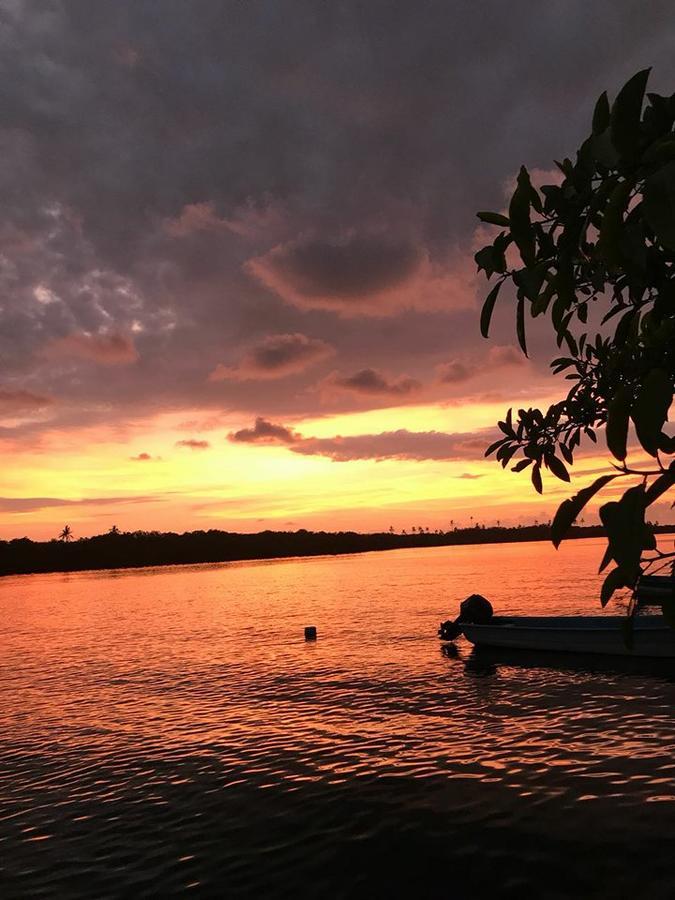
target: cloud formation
<point>104,349</point>
<point>264,432</point>
<point>30,504</point>
<point>276,356</point>
<point>401,445</point>
<point>499,357</point>
<point>372,382</point>
<point>15,402</point>
<point>176,188</point>
<point>193,444</point>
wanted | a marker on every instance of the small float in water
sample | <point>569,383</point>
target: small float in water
<point>649,636</point>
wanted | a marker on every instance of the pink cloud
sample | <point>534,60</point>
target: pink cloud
<point>277,356</point>
<point>111,349</point>
<point>401,444</point>
<point>499,357</point>
<point>371,382</point>
<point>14,402</point>
<point>247,221</point>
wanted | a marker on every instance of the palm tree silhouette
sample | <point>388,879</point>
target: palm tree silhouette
<point>67,534</point>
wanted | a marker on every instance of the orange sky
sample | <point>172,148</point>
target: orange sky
<point>95,478</point>
<point>237,286</point>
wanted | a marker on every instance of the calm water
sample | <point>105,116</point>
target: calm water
<point>167,731</point>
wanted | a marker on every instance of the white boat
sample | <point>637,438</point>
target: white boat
<point>652,637</point>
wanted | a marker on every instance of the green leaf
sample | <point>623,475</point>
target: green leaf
<point>488,309</point>
<point>494,219</point>
<point>536,478</point>
<point>658,204</point>
<point>493,447</point>
<point>650,410</point>
<point>603,149</point>
<point>606,559</point>
<point>530,281</point>
<point>520,324</point>
<point>570,509</point>
<point>617,423</point>
<point>614,580</point>
<point>567,454</point>
<point>601,114</point>
<point>660,485</point>
<point>611,227</point>
<point>625,115</point>
<point>624,522</point>
<point>519,216</point>
<point>557,467</point>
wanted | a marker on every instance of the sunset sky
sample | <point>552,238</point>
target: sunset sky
<point>237,286</point>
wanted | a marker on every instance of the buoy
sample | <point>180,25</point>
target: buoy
<point>310,633</point>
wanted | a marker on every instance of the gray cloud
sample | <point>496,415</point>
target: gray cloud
<point>105,349</point>
<point>264,432</point>
<point>197,182</point>
<point>193,444</point>
<point>344,275</point>
<point>370,381</point>
<point>498,357</point>
<point>276,356</point>
<point>401,444</point>
<point>454,372</point>
<point>13,402</point>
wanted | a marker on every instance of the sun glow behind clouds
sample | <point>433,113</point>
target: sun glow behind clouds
<point>141,479</point>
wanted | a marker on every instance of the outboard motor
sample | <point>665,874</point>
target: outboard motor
<point>475,610</point>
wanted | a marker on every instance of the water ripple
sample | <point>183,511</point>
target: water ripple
<point>167,732</point>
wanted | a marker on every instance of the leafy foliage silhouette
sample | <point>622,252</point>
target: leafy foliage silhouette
<point>600,246</point>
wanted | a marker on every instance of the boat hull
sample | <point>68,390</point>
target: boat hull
<point>652,637</point>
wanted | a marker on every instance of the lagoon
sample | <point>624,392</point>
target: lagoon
<point>169,730</point>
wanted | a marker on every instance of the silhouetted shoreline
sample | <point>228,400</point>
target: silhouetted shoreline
<point>139,549</point>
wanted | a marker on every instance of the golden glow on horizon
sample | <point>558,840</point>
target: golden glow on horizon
<point>251,487</point>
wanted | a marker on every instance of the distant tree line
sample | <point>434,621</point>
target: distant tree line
<point>122,550</point>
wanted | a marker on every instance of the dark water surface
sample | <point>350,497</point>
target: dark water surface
<point>166,731</point>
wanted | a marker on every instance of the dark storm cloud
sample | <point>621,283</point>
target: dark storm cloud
<point>369,381</point>
<point>344,275</point>
<point>198,176</point>
<point>277,356</point>
<point>264,432</point>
